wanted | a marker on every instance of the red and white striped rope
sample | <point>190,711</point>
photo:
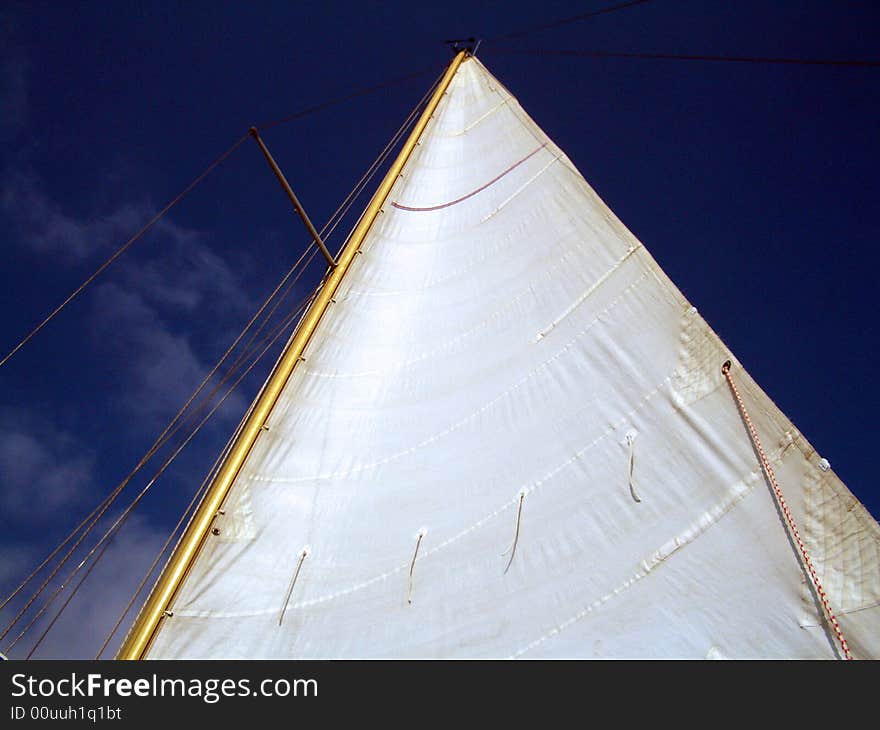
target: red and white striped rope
<point>783,506</point>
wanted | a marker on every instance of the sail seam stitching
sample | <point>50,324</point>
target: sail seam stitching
<point>519,190</point>
<point>525,491</point>
<point>586,295</point>
<point>474,123</point>
<point>658,557</point>
<point>482,325</point>
<point>811,625</point>
<point>458,424</point>
<point>783,507</point>
<point>413,209</point>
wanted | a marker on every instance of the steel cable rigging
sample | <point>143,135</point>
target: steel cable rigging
<point>175,425</point>
<point>778,60</point>
<point>188,189</point>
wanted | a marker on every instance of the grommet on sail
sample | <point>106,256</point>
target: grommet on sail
<point>424,396</point>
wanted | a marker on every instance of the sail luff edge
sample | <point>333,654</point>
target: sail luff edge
<point>149,620</point>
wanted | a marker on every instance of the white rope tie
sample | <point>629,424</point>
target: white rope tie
<point>302,556</point>
<point>412,565</point>
<point>630,442</point>
<point>512,548</point>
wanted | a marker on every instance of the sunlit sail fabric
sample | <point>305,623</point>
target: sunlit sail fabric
<point>509,390</point>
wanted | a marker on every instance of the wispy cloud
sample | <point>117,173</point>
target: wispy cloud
<point>42,226</point>
<point>42,469</point>
<point>158,319</point>
<point>89,617</point>
<point>158,366</point>
<point>184,273</point>
<point>161,320</point>
<point>15,562</point>
<point>167,293</point>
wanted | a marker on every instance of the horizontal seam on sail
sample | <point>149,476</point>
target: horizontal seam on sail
<point>488,254</point>
<point>471,125</point>
<point>471,194</point>
<point>522,187</point>
<point>468,333</point>
<point>586,295</point>
<point>538,134</point>
<point>534,485</point>
<point>648,565</point>
<point>455,426</point>
<point>838,612</point>
<point>475,263</point>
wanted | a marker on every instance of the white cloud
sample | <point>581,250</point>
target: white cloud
<point>160,316</point>
<point>90,616</point>
<point>167,292</point>
<point>16,561</point>
<point>159,368</point>
<point>162,313</point>
<point>183,273</point>
<point>44,228</point>
<point>44,470</point>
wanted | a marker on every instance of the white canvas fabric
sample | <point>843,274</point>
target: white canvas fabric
<point>506,359</point>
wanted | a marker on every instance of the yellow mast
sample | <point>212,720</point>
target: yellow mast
<point>148,621</point>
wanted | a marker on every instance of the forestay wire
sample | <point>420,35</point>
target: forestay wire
<point>188,189</point>
<point>90,521</point>
<point>120,521</point>
<point>566,21</point>
<point>590,53</point>
<point>772,60</point>
<point>340,214</point>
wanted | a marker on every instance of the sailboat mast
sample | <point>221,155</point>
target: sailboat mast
<point>154,610</point>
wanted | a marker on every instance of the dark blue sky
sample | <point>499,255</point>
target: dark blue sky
<point>754,186</point>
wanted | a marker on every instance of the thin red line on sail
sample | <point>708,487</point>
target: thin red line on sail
<point>473,192</point>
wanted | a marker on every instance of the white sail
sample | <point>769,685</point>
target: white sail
<point>506,368</point>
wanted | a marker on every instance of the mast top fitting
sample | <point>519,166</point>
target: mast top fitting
<point>464,44</point>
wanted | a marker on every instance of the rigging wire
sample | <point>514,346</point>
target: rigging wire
<point>346,97</point>
<point>338,215</point>
<point>566,21</point>
<point>784,510</point>
<point>341,211</point>
<point>183,518</point>
<point>326,231</point>
<point>155,219</point>
<point>164,438</point>
<point>122,249</point>
<point>383,155</point>
<point>69,599</point>
<point>120,521</point>
<point>172,428</point>
<point>166,434</point>
<point>127,512</point>
<point>693,57</point>
<point>246,350</point>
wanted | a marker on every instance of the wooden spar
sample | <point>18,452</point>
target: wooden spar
<point>144,629</point>
<point>297,206</point>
